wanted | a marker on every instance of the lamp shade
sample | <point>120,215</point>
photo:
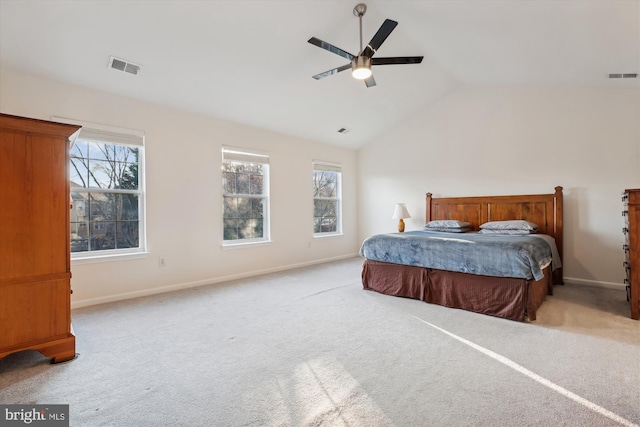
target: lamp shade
<point>401,211</point>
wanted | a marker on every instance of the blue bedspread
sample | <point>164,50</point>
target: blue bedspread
<point>488,255</point>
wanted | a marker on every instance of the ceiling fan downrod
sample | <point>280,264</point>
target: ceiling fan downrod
<point>359,11</point>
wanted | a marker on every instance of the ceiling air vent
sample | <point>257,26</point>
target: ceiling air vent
<point>344,130</point>
<point>122,65</point>
<point>623,76</point>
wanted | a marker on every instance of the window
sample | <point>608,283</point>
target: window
<point>106,180</point>
<point>245,194</point>
<point>327,195</point>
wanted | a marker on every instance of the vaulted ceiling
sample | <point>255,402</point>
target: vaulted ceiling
<point>249,61</point>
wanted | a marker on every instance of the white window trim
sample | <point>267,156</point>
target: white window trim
<point>334,167</point>
<point>122,136</point>
<point>107,256</point>
<point>232,244</point>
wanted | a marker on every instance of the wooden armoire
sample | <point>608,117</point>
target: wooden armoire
<point>631,230</point>
<point>35,265</point>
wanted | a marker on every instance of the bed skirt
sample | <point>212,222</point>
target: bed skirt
<point>505,297</point>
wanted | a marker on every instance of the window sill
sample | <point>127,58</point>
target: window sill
<point>108,258</point>
<point>226,246</point>
<point>327,235</point>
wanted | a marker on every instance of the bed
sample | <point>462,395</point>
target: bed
<point>474,286</point>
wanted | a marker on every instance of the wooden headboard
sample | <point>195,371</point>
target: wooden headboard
<point>542,209</point>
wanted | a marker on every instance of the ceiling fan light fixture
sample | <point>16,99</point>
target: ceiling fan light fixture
<point>361,67</point>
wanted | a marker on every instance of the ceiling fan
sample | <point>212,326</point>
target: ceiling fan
<point>361,64</point>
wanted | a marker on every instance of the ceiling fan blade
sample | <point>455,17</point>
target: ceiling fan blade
<point>383,32</point>
<point>331,48</point>
<point>370,82</point>
<point>331,72</point>
<point>397,60</point>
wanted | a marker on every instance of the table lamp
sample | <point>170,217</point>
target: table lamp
<point>401,212</point>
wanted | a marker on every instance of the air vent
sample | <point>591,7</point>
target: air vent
<point>122,65</point>
<point>623,76</point>
<point>344,130</point>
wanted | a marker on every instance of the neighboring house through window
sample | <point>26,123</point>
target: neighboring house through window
<point>327,198</point>
<point>245,194</point>
<point>107,192</point>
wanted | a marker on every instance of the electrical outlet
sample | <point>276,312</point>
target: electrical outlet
<point>161,262</point>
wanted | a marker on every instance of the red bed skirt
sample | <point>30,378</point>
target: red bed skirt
<point>506,297</point>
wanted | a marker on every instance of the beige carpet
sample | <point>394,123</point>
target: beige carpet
<point>309,347</point>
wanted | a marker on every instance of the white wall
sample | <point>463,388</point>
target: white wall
<point>523,140</point>
<point>184,201</point>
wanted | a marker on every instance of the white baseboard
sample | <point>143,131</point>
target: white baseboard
<point>600,284</point>
<point>210,281</point>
